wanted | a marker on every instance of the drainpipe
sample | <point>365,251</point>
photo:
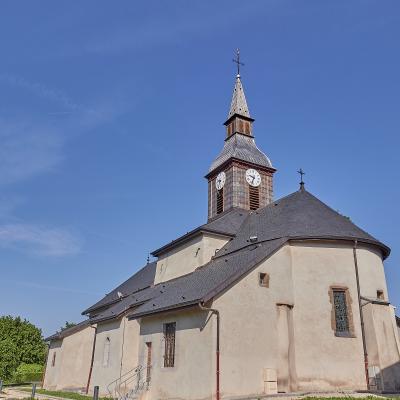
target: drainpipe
<point>92,360</point>
<point>216,312</point>
<point>361,314</point>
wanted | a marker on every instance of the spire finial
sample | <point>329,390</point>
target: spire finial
<point>301,173</point>
<point>148,258</point>
<point>237,62</point>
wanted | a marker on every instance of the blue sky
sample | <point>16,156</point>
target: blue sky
<point>111,112</point>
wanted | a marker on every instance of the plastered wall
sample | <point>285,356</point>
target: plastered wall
<point>122,337</point>
<point>193,375</point>
<point>52,372</point>
<point>72,363</point>
<point>187,257</point>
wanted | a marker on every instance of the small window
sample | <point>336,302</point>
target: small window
<point>53,360</point>
<point>220,201</point>
<point>106,352</point>
<point>254,198</point>
<point>169,343</point>
<point>380,295</point>
<point>341,312</point>
<point>263,279</point>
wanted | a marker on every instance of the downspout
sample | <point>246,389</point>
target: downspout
<point>92,360</point>
<point>217,372</point>
<point>361,314</point>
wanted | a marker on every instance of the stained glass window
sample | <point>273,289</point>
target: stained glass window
<point>341,315</point>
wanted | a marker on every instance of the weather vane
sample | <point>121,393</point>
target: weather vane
<point>237,61</point>
<point>301,173</point>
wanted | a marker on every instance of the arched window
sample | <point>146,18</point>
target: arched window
<point>106,352</point>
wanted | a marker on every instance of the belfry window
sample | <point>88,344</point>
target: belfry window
<point>169,344</point>
<point>53,360</point>
<point>254,197</point>
<point>220,201</point>
<point>341,312</point>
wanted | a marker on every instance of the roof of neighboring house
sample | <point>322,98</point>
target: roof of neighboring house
<point>226,224</point>
<point>299,216</point>
<point>139,281</point>
<point>68,331</point>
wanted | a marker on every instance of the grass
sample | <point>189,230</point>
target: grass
<point>65,395</point>
<point>350,397</point>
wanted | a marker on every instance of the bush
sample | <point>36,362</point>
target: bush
<point>28,373</point>
<point>20,343</point>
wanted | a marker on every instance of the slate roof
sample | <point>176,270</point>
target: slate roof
<point>226,224</point>
<point>243,148</point>
<point>139,281</point>
<point>69,331</point>
<point>297,216</point>
<point>238,103</point>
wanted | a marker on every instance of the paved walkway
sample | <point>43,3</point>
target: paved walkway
<point>11,393</point>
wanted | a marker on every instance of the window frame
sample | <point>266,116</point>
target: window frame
<point>263,279</point>
<point>350,333</point>
<point>106,352</point>
<point>169,344</point>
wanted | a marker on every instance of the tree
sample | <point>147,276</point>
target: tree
<point>20,342</point>
<point>68,325</point>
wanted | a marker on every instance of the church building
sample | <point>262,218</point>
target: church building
<point>268,296</point>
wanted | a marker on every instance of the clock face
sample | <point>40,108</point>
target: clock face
<point>220,181</point>
<point>253,178</point>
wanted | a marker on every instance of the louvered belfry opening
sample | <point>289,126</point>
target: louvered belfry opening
<point>254,198</point>
<point>220,201</point>
<point>169,339</point>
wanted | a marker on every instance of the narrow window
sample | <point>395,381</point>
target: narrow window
<point>380,295</point>
<point>263,279</point>
<point>148,368</point>
<point>106,352</point>
<point>341,312</point>
<point>169,339</point>
<point>254,198</point>
<point>53,360</point>
<point>220,201</point>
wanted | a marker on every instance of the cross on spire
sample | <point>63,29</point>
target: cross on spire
<point>237,61</point>
<point>301,173</point>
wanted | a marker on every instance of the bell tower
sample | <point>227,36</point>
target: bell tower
<point>241,175</point>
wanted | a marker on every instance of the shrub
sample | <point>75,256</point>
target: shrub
<point>28,373</point>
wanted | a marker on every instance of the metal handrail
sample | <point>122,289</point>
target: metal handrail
<point>123,380</point>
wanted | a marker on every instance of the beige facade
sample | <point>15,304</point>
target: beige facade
<point>68,362</point>
<point>279,338</point>
<point>116,354</point>
<point>185,258</point>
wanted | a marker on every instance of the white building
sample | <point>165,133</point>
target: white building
<point>266,297</point>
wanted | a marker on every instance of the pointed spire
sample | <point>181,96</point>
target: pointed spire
<point>239,103</point>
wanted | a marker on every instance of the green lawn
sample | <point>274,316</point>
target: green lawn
<point>65,395</point>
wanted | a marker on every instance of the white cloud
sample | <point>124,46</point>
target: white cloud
<point>38,240</point>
